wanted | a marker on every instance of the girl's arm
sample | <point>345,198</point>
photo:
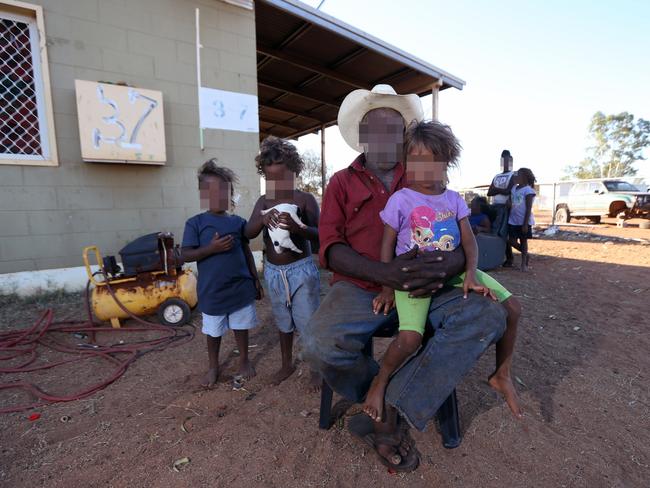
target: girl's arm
<point>250,260</point>
<point>470,248</point>
<point>388,242</point>
<point>256,222</point>
<point>386,299</point>
<point>529,209</point>
<point>312,217</point>
<point>217,244</point>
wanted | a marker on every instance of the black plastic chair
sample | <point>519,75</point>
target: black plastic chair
<point>447,415</point>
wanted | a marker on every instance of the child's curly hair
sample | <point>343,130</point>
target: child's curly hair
<point>273,149</point>
<point>529,175</point>
<point>436,137</point>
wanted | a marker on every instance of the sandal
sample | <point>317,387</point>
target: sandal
<point>361,426</point>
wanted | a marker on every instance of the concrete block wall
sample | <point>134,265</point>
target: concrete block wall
<point>47,215</point>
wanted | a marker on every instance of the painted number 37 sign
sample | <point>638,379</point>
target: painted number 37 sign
<point>120,123</point>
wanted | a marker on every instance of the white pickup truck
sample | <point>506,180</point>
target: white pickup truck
<point>595,198</point>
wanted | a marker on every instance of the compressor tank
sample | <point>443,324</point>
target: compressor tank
<point>143,295</point>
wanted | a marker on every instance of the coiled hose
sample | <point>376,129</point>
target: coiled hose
<point>25,342</point>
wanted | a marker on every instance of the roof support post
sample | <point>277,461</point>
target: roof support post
<point>435,90</point>
<point>323,166</point>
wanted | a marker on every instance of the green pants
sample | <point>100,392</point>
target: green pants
<point>413,312</point>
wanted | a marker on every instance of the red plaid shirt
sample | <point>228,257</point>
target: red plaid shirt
<point>350,214</point>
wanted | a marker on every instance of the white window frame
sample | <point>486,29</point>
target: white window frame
<point>33,15</point>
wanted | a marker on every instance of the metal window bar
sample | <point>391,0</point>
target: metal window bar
<point>23,128</point>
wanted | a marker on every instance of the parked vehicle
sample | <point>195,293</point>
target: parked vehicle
<point>595,198</point>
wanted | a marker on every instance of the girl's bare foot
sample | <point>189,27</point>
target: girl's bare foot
<point>374,404</point>
<point>246,370</point>
<point>503,384</point>
<point>211,378</point>
<point>283,373</point>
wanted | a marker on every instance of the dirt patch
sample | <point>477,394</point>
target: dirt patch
<point>582,367</point>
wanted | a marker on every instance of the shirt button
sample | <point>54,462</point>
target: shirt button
<point>371,178</point>
<point>382,192</point>
<point>356,209</point>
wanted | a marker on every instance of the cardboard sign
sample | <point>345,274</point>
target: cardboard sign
<point>220,109</point>
<point>120,123</point>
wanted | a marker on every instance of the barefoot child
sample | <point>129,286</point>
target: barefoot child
<point>228,284</point>
<point>521,218</point>
<point>428,215</point>
<point>291,277</point>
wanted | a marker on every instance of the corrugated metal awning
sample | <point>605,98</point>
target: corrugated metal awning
<point>308,61</point>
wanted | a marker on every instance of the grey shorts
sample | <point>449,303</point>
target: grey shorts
<point>294,291</point>
<point>241,319</point>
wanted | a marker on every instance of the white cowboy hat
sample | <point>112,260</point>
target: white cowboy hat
<point>359,102</point>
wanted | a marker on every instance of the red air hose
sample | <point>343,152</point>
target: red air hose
<point>25,342</point>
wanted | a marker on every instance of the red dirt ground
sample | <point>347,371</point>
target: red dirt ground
<point>582,367</point>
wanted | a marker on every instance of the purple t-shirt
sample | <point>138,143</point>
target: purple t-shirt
<point>428,221</point>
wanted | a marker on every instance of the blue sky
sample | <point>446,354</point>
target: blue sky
<point>535,72</point>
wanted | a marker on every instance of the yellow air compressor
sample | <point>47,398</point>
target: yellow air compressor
<point>152,282</point>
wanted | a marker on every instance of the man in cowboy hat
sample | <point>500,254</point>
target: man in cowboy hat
<point>350,232</point>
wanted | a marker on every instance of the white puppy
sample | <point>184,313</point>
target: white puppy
<point>280,237</point>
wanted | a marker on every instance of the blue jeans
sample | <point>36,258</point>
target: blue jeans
<point>337,333</point>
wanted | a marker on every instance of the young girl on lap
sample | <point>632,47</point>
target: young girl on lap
<point>428,215</point>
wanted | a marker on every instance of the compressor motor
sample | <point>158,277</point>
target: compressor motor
<point>151,252</point>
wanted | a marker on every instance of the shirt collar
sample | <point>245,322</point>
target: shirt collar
<point>359,164</point>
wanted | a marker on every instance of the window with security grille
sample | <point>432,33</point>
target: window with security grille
<point>24,134</point>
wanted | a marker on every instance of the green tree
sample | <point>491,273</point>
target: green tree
<point>618,142</point>
<point>310,177</point>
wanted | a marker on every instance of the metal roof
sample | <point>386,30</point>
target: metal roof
<point>308,61</point>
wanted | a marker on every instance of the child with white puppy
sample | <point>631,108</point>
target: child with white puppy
<point>292,279</point>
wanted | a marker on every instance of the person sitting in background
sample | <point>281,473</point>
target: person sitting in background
<point>479,219</point>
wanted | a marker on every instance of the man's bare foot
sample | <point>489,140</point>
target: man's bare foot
<point>374,404</point>
<point>282,374</point>
<point>315,382</point>
<point>246,370</point>
<point>391,442</point>
<point>503,384</point>
<point>211,378</point>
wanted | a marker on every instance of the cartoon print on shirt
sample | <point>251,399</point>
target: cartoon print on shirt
<point>430,235</point>
<point>422,219</point>
<point>517,197</point>
<point>446,235</point>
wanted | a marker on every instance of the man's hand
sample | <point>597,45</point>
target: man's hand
<point>259,290</point>
<point>384,301</point>
<point>524,229</point>
<point>422,274</point>
<point>221,244</point>
<point>470,283</point>
<point>270,219</point>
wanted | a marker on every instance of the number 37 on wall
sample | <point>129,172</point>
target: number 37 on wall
<point>120,123</point>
